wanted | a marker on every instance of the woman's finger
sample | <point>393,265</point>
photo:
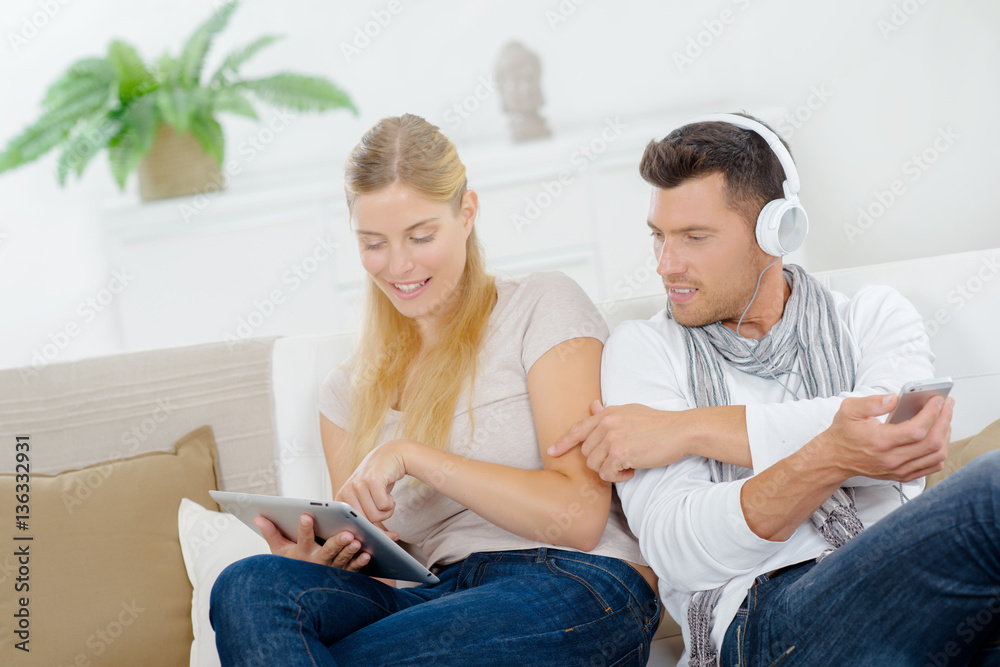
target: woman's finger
<point>307,538</point>
<point>345,549</point>
<point>358,562</point>
<point>276,542</point>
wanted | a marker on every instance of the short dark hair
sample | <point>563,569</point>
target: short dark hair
<point>752,171</point>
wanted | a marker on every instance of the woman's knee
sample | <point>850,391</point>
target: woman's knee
<point>245,580</point>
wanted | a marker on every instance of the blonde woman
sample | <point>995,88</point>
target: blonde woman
<point>437,431</point>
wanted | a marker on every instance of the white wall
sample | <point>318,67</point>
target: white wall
<point>885,93</point>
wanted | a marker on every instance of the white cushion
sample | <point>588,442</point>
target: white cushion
<point>210,541</point>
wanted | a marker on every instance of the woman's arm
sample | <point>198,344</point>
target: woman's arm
<point>565,504</point>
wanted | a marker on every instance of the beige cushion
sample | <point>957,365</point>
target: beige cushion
<point>84,412</point>
<point>963,451</point>
<point>107,584</point>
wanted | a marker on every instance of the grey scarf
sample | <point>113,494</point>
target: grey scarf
<point>811,331</point>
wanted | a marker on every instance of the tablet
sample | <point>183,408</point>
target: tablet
<point>389,560</point>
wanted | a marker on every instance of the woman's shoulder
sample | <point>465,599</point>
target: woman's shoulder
<point>541,310</point>
<point>335,393</point>
<point>543,286</point>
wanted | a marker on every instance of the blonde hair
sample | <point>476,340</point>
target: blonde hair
<point>389,362</point>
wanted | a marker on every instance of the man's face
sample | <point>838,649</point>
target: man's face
<point>708,256</point>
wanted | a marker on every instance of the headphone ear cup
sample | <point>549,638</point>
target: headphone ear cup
<point>781,227</point>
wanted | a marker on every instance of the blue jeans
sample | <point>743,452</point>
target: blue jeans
<point>920,588</point>
<point>510,608</point>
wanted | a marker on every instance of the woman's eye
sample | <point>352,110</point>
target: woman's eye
<point>423,239</point>
<point>371,246</point>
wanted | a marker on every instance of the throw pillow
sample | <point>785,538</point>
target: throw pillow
<point>210,541</point>
<point>94,574</point>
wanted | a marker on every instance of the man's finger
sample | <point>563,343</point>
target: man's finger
<point>919,426</point>
<point>863,407</point>
<point>576,434</point>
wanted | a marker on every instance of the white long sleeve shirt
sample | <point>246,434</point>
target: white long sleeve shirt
<point>693,531</point>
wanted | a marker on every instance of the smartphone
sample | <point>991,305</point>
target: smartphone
<point>914,396</point>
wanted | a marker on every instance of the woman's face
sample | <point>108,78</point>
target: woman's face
<point>413,248</point>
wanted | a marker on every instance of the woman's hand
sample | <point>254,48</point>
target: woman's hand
<point>369,488</point>
<point>340,551</point>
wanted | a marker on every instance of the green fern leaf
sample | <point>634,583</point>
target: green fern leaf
<point>133,77</point>
<point>84,78</point>
<point>193,55</point>
<point>142,117</point>
<point>166,70</point>
<point>178,105</point>
<point>209,134</point>
<point>232,101</point>
<point>235,60</point>
<point>36,140</point>
<point>302,93</point>
<point>85,144</point>
<point>134,141</point>
<point>123,160</point>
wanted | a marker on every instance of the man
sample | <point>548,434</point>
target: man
<point>779,512</point>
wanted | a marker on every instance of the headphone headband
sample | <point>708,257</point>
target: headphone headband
<point>791,184</point>
<point>782,224</point>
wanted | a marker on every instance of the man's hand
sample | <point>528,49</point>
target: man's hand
<point>619,439</point>
<point>858,444</point>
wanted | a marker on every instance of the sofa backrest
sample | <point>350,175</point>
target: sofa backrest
<point>103,408</point>
<point>958,296</point>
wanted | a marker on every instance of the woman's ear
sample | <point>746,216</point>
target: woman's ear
<point>469,211</point>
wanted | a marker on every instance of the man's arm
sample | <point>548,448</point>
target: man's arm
<point>699,535</point>
<point>778,500</point>
<point>659,427</point>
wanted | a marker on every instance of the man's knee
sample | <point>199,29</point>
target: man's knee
<point>983,472</point>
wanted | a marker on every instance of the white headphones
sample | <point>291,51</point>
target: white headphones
<point>782,224</point>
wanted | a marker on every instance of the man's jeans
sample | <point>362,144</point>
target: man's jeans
<point>510,608</point>
<point>919,588</point>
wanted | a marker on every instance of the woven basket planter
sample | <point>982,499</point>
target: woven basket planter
<point>177,166</point>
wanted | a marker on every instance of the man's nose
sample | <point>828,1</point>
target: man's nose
<point>670,261</point>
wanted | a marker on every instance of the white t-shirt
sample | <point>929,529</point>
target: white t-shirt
<point>532,315</point>
<point>692,531</point>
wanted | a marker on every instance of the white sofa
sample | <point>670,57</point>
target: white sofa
<point>260,398</point>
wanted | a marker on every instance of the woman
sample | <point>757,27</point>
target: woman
<point>437,432</point>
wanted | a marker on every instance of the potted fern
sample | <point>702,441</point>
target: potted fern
<point>148,116</point>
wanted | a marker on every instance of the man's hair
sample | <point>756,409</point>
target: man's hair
<point>752,172</point>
